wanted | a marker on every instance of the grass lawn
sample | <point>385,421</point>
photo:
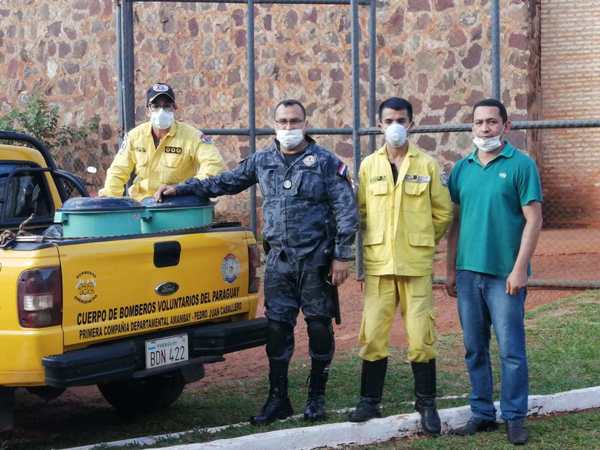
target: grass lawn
<point>563,352</point>
<point>565,431</point>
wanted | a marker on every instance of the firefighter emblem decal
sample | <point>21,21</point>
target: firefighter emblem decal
<point>230,268</point>
<point>85,287</point>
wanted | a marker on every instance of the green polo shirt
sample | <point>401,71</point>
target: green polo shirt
<point>490,199</point>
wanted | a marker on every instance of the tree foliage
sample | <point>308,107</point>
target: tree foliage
<point>41,120</point>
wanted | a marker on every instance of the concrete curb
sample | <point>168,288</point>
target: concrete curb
<point>381,430</point>
<point>376,430</point>
<point>154,439</point>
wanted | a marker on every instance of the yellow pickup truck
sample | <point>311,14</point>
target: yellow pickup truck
<point>138,314</point>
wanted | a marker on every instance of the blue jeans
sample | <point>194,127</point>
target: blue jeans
<point>483,301</point>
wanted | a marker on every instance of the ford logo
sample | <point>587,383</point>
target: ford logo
<point>166,288</point>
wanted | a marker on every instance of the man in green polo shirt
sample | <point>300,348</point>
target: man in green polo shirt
<point>498,216</point>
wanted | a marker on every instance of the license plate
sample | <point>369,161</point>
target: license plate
<point>166,351</point>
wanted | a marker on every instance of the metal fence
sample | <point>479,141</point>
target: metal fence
<point>125,37</point>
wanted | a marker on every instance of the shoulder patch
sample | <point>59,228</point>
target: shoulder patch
<point>444,177</point>
<point>123,146</point>
<point>344,172</point>
<point>204,138</point>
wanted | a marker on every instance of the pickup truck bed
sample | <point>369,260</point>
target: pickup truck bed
<point>138,315</point>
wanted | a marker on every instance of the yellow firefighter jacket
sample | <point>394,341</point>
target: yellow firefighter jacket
<point>402,222</point>
<point>180,155</point>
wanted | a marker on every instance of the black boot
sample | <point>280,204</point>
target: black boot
<point>425,387</point>
<point>278,404</point>
<point>315,404</point>
<point>371,390</point>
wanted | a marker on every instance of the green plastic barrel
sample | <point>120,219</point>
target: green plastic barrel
<point>99,216</point>
<point>176,213</point>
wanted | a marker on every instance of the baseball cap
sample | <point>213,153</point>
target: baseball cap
<point>159,89</point>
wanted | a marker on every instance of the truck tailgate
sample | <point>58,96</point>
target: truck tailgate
<point>120,287</point>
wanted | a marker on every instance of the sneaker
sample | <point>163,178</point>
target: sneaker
<point>475,426</point>
<point>516,432</point>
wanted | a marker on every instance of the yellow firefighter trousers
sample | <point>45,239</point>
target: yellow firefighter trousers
<point>381,298</point>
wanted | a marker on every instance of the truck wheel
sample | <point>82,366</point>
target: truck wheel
<point>132,397</point>
<point>46,392</point>
<point>7,412</point>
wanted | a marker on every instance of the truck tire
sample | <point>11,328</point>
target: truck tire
<point>132,397</point>
<point>47,393</point>
<point>7,412</point>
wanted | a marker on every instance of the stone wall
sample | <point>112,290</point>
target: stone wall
<point>436,53</point>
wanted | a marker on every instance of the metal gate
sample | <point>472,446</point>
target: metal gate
<point>125,35</point>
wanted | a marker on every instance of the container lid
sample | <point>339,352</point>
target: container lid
<point>100,204</point>
<point>178,201</point>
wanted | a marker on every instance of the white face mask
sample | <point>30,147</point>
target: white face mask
<point>162,119</point>
<point>395,135</point>
<point>290,138</point>
<point>488,144</point>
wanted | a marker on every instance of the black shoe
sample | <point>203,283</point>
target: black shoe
<point>275,408</point>
<point>367,409</point>
<point>516,432</point>
<point>430,419</point>
<point>425,392</point>
<point>475,426</point>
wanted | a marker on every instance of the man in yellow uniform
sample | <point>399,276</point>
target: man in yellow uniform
<point>405,209</point>
<point>161,151</point>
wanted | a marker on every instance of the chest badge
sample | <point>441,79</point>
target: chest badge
<point>502,174</point>
<point>309,160</point>
<point>287,184</point>
<point>417,178</point>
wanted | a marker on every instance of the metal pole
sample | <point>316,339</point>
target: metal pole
<point>372,71</point>
<point>275,2</point>
<point>356,120</point>
<point>447,128</point>
<point>120,94</point>
<point>251,104</point>
<point>126,50</point>
<point>495,5</point>
<point>544,284</point>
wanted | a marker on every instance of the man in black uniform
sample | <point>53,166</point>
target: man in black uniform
<point>310,221</point>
